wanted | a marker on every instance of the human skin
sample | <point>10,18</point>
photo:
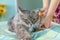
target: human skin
<point>53,5</point>
<point>45,3</point>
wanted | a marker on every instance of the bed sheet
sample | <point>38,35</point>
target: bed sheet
<point>53,33</point>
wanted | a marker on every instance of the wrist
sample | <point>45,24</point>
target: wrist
<point>45,7</point>
<point>48,17</point>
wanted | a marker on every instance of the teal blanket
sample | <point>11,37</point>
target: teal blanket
<point>53,33</point>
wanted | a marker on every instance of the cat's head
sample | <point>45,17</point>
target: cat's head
<point>29,16</point>
<point>33,16</point>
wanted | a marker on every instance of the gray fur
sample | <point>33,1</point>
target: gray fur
<point>21,21</point>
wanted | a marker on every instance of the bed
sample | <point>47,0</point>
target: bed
<point>53,33</point>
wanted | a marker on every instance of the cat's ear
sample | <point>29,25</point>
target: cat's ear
<point>20,8</point>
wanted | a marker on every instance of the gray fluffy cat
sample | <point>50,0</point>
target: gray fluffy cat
<point>23,21</point>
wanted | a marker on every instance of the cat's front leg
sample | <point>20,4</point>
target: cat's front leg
<point>22,33</point>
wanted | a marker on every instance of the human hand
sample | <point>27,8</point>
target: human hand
<point>45,23</point>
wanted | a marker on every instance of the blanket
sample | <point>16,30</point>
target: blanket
<point>53,33</point>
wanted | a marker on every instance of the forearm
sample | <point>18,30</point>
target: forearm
<point>52,8</point>
<point>45,3</point>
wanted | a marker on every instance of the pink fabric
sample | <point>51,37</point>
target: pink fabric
<point>57,14</point>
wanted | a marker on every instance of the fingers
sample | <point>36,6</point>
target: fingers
<point>45,24</point>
